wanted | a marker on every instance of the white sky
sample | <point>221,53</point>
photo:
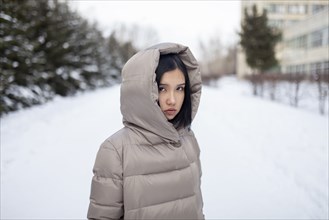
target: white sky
<point>185,22</point>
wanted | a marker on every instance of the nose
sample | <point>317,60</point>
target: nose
<point>171,100</point>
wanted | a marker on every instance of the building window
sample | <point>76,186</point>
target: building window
<point>314,67</point>
<point>325,66</point>
<point>326,36</point>
<point>318,67</point>
<point>302,41</point>
<point>297,9</point>
<point>276,8</point>
<point>300,68</point>
<point>299,42</point>
<point>290,22</point>
<point>318,8</point>
<point>316,38</point>
<point>320,37</point>
<point>291,69</point>
<point>276,23</point>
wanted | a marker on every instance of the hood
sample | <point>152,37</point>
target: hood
<point>139,90</point>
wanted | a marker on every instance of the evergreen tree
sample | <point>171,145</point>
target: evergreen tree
<point>67,49</point>
<point>49,49</point>
<point>18,87</point>
<point>258,40</point>
<point>120,51</point>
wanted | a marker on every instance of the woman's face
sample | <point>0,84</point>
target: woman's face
<point>171,93</point>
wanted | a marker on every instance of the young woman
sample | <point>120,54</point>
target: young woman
<point>150,169</point>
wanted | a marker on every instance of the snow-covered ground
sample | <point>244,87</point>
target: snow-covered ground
<point>260,159</point>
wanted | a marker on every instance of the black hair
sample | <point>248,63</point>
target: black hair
<point>171,62</point>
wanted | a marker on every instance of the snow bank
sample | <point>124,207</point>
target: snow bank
<point>260,159</point>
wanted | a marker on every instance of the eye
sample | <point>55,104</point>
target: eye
<point>161,89</point>
<point>180,88</point>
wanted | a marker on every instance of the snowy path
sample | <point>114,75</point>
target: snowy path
<point>260,159</point>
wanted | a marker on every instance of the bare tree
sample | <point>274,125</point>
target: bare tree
<point>217,59</point>
<point>272,80</point>
<point>257,82</point>
<point>322,80</point>
<point>296,80</point>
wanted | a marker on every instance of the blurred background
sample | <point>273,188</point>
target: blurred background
<point>263,119</point>
<point>54,48</point>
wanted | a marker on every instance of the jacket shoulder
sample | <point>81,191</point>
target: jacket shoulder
<point>118,140</point>
<point>109,156</point>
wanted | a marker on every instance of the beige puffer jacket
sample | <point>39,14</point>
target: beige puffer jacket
<point>148,169</point>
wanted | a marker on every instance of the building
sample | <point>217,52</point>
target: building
<point>306,45</point>
<point>284,15</point>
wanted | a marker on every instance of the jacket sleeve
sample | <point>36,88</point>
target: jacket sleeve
<point>106,197</point>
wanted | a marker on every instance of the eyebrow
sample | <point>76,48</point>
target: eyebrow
<point>163,84</point>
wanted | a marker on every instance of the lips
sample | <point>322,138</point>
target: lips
<point>170,111</point>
